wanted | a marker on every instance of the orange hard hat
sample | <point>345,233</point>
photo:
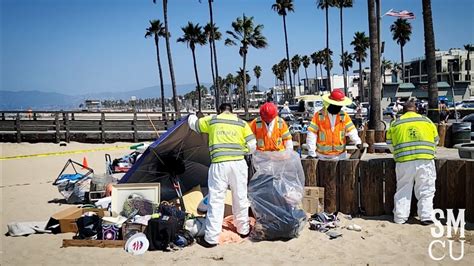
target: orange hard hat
<point>268,112</point>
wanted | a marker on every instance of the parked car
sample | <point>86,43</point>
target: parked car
<point>463,109</point>
<point>389,109</point>
<point>470,118</point>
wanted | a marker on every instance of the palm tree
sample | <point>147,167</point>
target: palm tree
<point>246,35</point>
<point>375,121</point>
<point>257,71</point>
<point>327,61</point>
<point>170,59</point>
<point>360,43</point>
<point>341,4</point>
<point>346,63</point>
<point>275,72</point>
<point>283,66</point>
<point>157,30</point>
<point>306,62</point>
<point>316,59</point>
<point>401,31</point>
<point>295,68</point>
<point>433,112</point>
<point>213,37</point>
<point>192,35</point>
<point>282,7</point>
<point>386,64</point>
<point>211,31</point>
<point>468,48</point>
<point>325,5</point>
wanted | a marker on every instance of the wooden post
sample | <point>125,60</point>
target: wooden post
<point>469,191</point>
<point>102,127</point>
<point>3,116</point>
<point>390,185</point>
<point>456,189</point>
<point>442,134</point>
<point>134,127</point>
<point>379,136</point>
<point>56,123</point>
<point>348,186</point>
<point>440,198</point>
<point>327,173</point>
<point>35,116</point>
<point>18,128</point>
<point>72,116</point>
<point>66,124</point>
<point>310,167</point>
<point>371,184</point>
<point>370,139</point>
<point>448,142</point>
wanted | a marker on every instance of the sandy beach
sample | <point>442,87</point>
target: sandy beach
<point>26,187</point>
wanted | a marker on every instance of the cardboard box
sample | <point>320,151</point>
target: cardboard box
<point>65,220</point>
<point>314,192</point>
<point>313,205</point>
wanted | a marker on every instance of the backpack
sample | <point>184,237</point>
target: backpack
<point>89,227</point>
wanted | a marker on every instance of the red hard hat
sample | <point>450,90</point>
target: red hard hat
<point>337,95</point>
<point>268,112</point>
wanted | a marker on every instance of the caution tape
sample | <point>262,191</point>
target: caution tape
<point>61,153</point>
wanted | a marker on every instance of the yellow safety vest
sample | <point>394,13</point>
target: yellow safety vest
<point>413,137</point>
<point>228,136</point>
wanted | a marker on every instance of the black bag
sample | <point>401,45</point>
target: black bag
<point>168,209</point>
<point>161,232</point>
<point>89,227</point>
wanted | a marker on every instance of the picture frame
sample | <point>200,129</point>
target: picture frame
<point>120,192</point>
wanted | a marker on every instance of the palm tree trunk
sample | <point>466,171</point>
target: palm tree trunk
<point>321,72</point>
<point>306,80</point>
<point>375,120</point>
<point>361,82</point>
<point>244,87</point>
<point>294,78</point>
<point>328,71</point>
<point>160,72</point>
<point>197,80</point>
<point>258,84</point>
<point>299,80</point>
<point>214,50</point>
<point>403,64</point>
<point>316,77</point>
<point>342,52</point>
<point>170,60</point>
<point>433,112</point>
<point>288,58</point>
<point>212,68</point>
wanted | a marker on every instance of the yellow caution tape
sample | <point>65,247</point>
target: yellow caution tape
<point>61,153</point>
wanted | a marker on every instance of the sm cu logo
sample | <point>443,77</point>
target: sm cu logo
<point>453,226</point>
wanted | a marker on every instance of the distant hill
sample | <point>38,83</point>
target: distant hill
<point>40,100</point>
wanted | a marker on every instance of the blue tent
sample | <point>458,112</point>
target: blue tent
<point>179,141</point>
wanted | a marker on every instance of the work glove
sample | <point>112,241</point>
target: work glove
<point>312,155</point>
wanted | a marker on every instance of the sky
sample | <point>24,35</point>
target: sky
<point>84,46</point>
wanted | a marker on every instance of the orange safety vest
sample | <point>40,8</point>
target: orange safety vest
<point>275,142</point>
<point>330,142</point>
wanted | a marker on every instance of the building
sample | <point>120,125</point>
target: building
<point>92,105</point>
<point>256,98</point>
<point>416,69</point>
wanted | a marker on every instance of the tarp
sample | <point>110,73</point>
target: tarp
<point>181,141</point>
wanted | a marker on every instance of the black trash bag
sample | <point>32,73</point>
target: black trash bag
<point>89,227</point>
<point>162,232</point>
<point>275,192</point>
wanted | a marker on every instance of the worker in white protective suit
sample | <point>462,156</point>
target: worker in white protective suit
<point>230,138</point>
<point>412,138</point>
<point>327,132</point>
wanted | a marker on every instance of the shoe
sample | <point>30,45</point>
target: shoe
<point>426,222</point>
<point>244,236</point>
<point>201,241</point>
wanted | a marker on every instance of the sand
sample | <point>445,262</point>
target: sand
<point>25,189</point>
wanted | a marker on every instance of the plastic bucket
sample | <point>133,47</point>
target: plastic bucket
<point>461,132</point>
